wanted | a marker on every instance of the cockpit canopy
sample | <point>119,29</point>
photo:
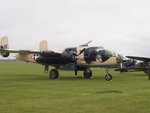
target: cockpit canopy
<point>98,50</point>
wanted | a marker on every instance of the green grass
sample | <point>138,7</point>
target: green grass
<point>25,89</point>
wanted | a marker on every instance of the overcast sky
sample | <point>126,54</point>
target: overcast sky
<point>120,25</point>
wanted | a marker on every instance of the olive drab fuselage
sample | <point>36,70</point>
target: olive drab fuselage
<point>92,56</point>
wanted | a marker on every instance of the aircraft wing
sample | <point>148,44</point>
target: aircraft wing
<point>20,51</point>
<point>145,59</point>
<point>42,53</point>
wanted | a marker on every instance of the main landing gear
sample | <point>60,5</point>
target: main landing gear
<point>87,73</point>
<point>53,74</point>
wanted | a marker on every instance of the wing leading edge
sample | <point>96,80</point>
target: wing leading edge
<point>42,53</point>
<point>145,59</point>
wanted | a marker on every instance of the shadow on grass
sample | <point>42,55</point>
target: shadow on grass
<point>135,73</point>
<point>23,77</point>
<point>71,77</point>
<point>28,77</point>
<point>108,92</point>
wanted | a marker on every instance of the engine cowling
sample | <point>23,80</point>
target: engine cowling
<point>4,54</point>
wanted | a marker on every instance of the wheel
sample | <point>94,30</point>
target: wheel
<point>108,77</point>
<point>87,73</point>
<point>53,74</point>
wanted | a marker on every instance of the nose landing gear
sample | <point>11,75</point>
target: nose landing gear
<point>108,76</point>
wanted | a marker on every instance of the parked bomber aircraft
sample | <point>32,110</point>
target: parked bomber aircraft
<point>83,57</point>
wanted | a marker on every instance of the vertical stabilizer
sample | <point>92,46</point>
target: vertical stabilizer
<point>4,45</point>
<point>43,45</point>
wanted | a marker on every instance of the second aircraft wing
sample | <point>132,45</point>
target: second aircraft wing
<point>145,59</point>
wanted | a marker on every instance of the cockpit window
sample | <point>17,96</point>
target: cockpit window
<point>108,53</point>
<point>93,51</point>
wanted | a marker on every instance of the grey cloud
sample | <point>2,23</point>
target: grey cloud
<point>122,26</point>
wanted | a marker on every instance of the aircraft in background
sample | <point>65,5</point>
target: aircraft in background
<point>126,65</point>
<point>83,57</point>
<point>144,65</point>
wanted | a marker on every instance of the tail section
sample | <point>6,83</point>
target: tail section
<point>4,45</point>
<point>43,45</point>
<point>4,42</point>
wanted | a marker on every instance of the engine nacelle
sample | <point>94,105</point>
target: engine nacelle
<point>5,54</point>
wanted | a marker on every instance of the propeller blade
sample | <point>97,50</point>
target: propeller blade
<point>75,57</point>
<point>86,44</point>
<point>69,52</point>
<point>81,52</point>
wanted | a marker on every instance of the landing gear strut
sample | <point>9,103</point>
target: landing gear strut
<point>46,69</point>
<point>108,76</point>
<point>87,73</point>
<point>53,74</point>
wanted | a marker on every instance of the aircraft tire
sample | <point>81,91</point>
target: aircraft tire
<point>87,74</point>
<point>108,77</point>
<point>54,74</point>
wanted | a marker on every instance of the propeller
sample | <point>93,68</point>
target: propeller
<point>86,44</point>
<point>72,55</point>
<point>75,57</point>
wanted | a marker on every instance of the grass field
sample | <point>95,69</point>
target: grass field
<point>25,89</point>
